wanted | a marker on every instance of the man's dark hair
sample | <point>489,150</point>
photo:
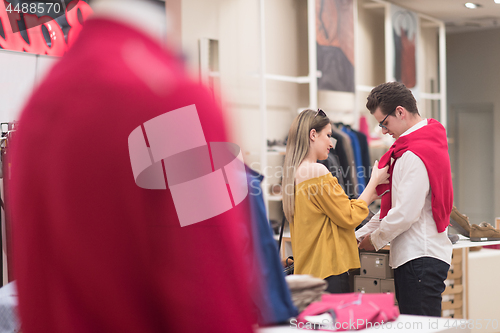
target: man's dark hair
<point>390,95</point>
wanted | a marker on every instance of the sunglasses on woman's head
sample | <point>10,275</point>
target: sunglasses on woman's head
<point>320,112</point>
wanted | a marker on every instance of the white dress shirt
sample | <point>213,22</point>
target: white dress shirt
<point>409,225</point>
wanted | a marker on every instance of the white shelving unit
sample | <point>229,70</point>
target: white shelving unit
<point>427,27</point>
<point>311,80</point>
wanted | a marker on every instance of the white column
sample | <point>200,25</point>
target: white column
<point>313,66</point>
<point>442,75</point>
<point>389,45</point>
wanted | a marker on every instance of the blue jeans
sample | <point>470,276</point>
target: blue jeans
<point>419,284</point>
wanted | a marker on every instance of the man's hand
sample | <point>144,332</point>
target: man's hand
<point>366,244</point>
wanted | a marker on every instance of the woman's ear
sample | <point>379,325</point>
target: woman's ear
<point>312,134</point>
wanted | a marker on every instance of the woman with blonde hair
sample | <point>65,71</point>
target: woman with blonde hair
<point>322,218</point>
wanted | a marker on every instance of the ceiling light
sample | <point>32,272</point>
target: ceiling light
<point>471,5</point>
<point>497,1</point>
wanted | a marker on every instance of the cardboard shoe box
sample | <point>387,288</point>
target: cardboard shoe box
<point>366,285</point>
<point>387,286</point>
<point>376,265</point>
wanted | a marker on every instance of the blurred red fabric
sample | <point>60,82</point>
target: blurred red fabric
<point>93,251</point>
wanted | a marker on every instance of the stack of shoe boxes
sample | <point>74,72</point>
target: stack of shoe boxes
<point>452,306</point>
<point>376,276</point>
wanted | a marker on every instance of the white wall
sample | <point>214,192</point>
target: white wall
<point>18,77</point>
<point>474,77</point>
<point>17,80</point>
<point>43,65</point>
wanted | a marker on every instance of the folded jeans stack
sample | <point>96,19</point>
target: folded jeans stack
<point>305,289</point>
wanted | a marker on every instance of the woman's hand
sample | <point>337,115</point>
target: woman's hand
<point>366,244</point>
<point>379,176</point>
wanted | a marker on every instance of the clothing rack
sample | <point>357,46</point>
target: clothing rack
<point>349,158</point>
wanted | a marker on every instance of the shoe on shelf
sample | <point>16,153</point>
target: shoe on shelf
<point>460,222</point>
<point>484,232</point>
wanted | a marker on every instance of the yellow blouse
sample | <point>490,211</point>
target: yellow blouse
<point>323,241</point>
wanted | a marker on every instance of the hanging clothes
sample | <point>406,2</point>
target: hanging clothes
<point>365,155</point>
<point>349,166</point>
<point>332,163</point>
<point>357,159</point>
<point>341,153</point>
<point>271,296</point>
<point>364,128</point>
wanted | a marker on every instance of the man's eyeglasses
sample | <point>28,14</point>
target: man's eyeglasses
<point>320,112</point>
<point>381,124</point>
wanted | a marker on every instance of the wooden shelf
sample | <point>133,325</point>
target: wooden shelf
<point>453,296</point>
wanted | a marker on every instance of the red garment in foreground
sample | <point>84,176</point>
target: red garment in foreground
<point>93,251</point>
<point>430,144</point>
<point>352,311</point>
